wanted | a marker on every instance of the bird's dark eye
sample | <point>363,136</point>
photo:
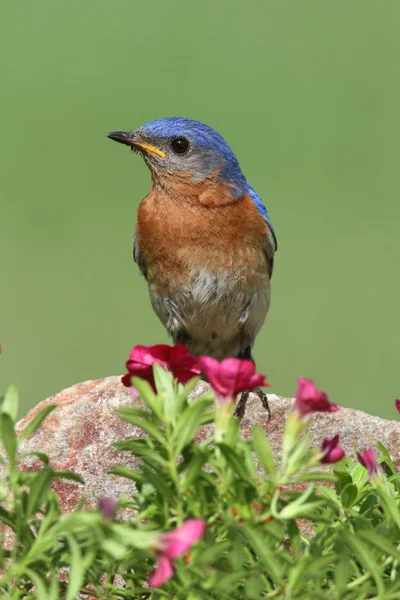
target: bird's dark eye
<point>180,145</point>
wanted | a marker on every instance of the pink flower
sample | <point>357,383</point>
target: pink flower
<point>397,404</point>
<point>176,359</point>
<point>231,376</point>
<point>173,544</point>
<point>368,460</point>
<point>108,507</point>
<point>309,399</point>
<point>331,451</point>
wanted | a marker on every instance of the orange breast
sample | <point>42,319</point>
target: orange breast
<point>200,228</point>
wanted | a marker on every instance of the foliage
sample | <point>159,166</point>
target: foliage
<point>296,531</point>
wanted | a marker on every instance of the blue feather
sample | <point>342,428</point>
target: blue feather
<point>203,136</point>
<point>206,137</point>
<point>262,210</point>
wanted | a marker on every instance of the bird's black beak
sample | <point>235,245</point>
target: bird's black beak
<point>123,137</point>
<point>131,138</point>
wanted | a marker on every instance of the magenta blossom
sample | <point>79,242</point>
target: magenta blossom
<point>368,460</point>
<point>397,404</point>
<point>231,376</point>
<point>331,451</point>
<point>173,544</point>
<point>309,399</point>
<point>176,359</point>
<point>108,507</point>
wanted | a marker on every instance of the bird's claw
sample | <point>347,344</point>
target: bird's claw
<point>241,405</point>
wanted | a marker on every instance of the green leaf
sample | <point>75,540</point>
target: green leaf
<point>369,503</point>
<point>263,451</point>
<point>146,426</point>
<point>40,455</point>
<point>144,449</point>
<point>380,542</point>
<point>253,587</point>
<point>211,554</point>
<point>343,478</point>
<point>41,591</point>
<point>294,537</point>
<point>127,473</point>
<point>68,475</point>
<point>305,510</point>
<point>166,391</point>
<point>54,590</point>
<point>226,581</point>
<point>386,456</point>
<point>145,390</point>
<point>114,548</point>
<point>36,421</point>
<point>10,403</point>
<point>135,538</point>
<point>38,490</point>
<point>365,557</point>
<point>186,389</point>
<point>194,469</point>
<point>348,495</point>
<point>292,509</point>
<point>127,411</point>
<point>236,555</point>
<point>330,495</point>
<point>264,554</point>
<point>159,485</point>
<point>342,568</point>
<point>8,437</point>
<point>389,505</point>
<point>298,455</point>
<point>76,571</point>
<point>234,460</point>
<point>6,518</point>
<point>188,423</point>
<point>315,476</point>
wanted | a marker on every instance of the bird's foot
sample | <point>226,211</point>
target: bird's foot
<point>241,405</point>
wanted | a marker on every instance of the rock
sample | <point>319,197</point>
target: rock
<point>78,435</point>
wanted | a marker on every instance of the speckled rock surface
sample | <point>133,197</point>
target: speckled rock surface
<point>79,433</point>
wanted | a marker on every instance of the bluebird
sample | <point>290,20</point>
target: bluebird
<point>203,240</point>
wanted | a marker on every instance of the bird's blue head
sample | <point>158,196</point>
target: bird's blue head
<point>178,146</point>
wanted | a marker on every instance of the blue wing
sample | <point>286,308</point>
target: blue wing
<point>263,211</point>
<point>271,242</point>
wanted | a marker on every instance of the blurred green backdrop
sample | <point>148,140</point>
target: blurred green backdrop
<point>307,94</point>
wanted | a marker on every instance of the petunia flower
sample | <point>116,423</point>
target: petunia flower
<point>231,376</point>
<point>368,460</point>
<point>309,399</point>
<point>176,359</point>
<point>173,544</point>
<point>331,451</point>
<point>397,404</point>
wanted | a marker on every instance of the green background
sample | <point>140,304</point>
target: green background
<point>308,95</point>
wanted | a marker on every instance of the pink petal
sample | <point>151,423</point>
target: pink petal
<point>305,389</point>
<point>334,456</point>
<point>163,571</point>
<point>108,506</point>
<point>177,542</point>
<point>231,376</point>
<point>368,460</point>
<point>146,356</point>
<point>329,443</point>
<point>126,380</point>
<point>309,399</point>
<point>211,368</point>
<point>397,404</point>
<point>183,365</point>
<point>178,352</point>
